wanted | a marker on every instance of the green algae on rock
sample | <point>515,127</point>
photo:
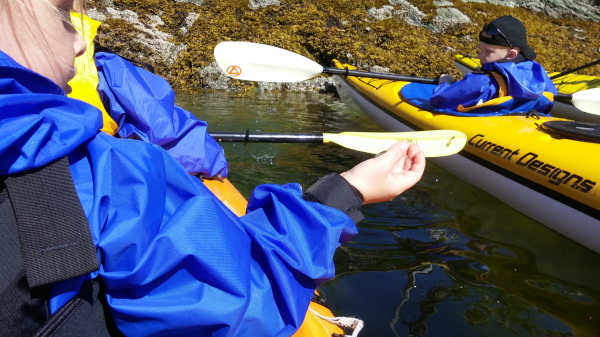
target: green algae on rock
<point>417,37</point>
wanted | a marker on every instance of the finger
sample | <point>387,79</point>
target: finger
<point>403,165</point>
<point>418,163</point>
<point>412,150</point>
<point>393,155</point>
<point>415,171</point>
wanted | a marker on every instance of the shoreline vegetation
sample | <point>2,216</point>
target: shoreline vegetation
<point>408,37</point>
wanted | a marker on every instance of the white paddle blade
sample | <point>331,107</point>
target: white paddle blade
<point>587,101</point>
<point>262,63</point>
<point>435,143</point>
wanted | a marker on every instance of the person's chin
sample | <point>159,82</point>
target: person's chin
<point>67,89</point>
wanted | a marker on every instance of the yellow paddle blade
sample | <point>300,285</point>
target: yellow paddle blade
<point>435,143</point>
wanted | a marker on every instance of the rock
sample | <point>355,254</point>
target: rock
<point>385,12</point>
<point>402,36</point>
<point>213,77</point>
<point>584,9</point>
<point>378,69</point>
<point>411,14</point>
<point>447,17</point>
<point>163,50</point>
<point>196,2</point>
<point>506,3</point>
<point>443,3</point>
<point>96,15</point>
<point>256,4</point>
<point>188,22</point>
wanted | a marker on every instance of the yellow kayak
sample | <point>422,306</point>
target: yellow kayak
<point>567,84</point>
<point>552,180</point>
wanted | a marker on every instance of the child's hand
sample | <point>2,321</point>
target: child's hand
<point>387,176</point>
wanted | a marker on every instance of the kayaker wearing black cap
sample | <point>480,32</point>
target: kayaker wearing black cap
<point>508,70</point>
<point>506,31</point>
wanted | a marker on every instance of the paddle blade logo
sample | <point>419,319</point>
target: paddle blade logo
<point>234,71</point>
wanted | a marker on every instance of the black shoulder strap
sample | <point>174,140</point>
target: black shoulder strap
<point>84,315</point>
<point>22,311</point>
<point>56,241</point>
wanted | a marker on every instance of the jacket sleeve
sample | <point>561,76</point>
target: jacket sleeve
<point>336,192</point>
<point>175,261</point>
<point>472,89</point>
<point>143,105</point>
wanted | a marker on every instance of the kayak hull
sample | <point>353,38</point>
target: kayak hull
<point>566,214</point>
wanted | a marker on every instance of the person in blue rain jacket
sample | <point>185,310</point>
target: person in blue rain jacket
<point>173,259</point>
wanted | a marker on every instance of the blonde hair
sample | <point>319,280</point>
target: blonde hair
<point>10,6</point>
<point>20,16</point>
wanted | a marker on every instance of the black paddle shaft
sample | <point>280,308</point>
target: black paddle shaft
<point>567,97</point>
<point>382,76</point>
<point>246,137</point>
<point>575,69</point>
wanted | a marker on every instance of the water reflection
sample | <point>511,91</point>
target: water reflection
<point>489,282</point>
<point>443,259</point>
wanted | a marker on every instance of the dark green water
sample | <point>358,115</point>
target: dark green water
<point>443,259</point>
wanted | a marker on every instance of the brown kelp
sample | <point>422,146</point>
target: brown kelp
<point>327,29</point>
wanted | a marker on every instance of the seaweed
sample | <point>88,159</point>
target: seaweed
<point>333,29</point>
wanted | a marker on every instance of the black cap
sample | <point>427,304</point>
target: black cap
<point>507,31</point>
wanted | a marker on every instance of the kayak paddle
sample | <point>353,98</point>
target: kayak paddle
<point>263,63</point>
<point>575,69</point>
<point>435,143</point>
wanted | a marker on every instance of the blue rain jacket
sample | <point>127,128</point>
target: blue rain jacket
<point>143,106</point>
<point>174,259</point>
<point>526,81</point>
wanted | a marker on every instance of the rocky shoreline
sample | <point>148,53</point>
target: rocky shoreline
<point>417,37</point>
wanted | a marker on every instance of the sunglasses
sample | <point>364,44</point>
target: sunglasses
<point>493,30</point>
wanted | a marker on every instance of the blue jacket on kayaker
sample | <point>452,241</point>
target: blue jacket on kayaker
<point>136,103</point>
<point>143,106</point>
<point>508,73</point>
